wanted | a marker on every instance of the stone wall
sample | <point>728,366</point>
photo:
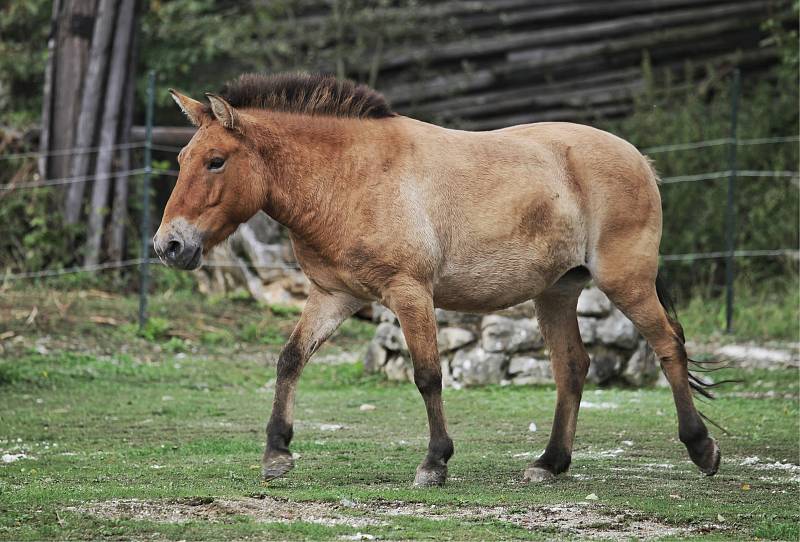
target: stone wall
<point>507,347</point>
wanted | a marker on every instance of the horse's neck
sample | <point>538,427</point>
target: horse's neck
<point>314,171</point>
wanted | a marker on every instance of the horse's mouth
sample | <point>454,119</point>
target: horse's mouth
<point>196,260</point>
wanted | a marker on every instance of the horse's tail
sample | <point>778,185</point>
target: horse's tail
<point>700,386</point>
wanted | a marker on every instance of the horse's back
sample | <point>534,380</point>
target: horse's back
<point>516,208</point>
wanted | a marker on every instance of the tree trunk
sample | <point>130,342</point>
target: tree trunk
<point>90,105</point>
<point>47,93</point>
<point>108,131</point>
<point>73,35</point>
<point>119,211</point>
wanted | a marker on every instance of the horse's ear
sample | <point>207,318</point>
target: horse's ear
<point>223,111</point>
<point>191,108</point>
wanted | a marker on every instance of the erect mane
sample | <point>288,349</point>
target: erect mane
<point>307,94</point>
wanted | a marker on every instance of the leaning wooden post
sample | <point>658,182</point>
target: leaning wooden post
<point>730,209</point>
<point>144,265</point>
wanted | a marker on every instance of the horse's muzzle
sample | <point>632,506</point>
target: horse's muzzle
<point>179,245</point>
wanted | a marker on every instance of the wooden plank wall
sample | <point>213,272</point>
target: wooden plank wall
<point>519,61</point>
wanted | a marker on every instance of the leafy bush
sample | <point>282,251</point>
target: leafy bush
<point>766,209</point>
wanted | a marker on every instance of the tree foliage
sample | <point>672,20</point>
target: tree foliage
<point>694,212</point>
<point>24,27</point>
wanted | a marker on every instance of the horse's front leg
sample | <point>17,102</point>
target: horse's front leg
<point>321,316</point>
<point>413,305</point>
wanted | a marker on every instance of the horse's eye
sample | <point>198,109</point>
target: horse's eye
<point>216,163</point>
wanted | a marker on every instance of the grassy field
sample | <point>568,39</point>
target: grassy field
<point>160,436</point>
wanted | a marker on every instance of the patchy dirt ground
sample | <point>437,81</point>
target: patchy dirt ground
<point>584,520</point>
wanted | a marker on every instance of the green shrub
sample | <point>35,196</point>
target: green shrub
<point>766,209</point>
<point>155,329</point>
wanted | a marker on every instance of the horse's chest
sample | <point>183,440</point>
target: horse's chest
<point>354,271</point>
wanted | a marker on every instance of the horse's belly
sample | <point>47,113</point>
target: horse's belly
<point>487,284</point>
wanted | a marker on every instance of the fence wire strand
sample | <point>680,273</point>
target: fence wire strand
<point>47,273</point>
<point>87,178</point>
<point>75,150</point>
<point>727,173</point>
<point>721,141</point>
<point>795,253</point>
<point>71,180</point>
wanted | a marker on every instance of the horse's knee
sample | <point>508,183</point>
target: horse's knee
<point>428,379</point>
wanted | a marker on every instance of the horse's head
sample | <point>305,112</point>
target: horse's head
<point>221,183</point>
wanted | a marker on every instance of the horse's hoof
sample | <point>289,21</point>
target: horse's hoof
<point>276,466</point>
<point>709,464</point>
<point>537,474</point>
<point>430,476</point>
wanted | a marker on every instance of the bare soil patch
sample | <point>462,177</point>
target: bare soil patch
<point>584,520</point>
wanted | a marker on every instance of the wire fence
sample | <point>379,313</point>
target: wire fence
<point>143,262</point>
<point>48,273</point>
<point>709,176</point>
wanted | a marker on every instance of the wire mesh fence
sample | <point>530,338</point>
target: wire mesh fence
<point>143,173</point>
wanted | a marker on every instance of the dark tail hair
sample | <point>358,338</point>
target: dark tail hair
<point>698,385</point>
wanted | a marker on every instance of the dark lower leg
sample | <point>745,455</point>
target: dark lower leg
<point>277,457</point>
<point>570,363</point>
<point>703,450</point>
<point>650,318</point>
<point>413,305</point>
<point>433,469</point>
<point>321,316</point>
<point>558,454</point>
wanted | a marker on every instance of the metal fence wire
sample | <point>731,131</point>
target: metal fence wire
<point>145,173</point>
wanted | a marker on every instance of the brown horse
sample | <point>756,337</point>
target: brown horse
<point>385,208</point>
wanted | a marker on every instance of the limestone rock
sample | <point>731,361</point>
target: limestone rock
<point>451,338</point>
<point>374,357</point>
<point>447,375</point>
<point>588,329</point>
<point>457,319</point>
<point>617,330</point>
<point>642,367</point>
<point>382,314</point>
<point>606,364</point>
<point>593,302</point>
<point>502,334</point>
<point>399,368</point>
<point>523,310</point>
<point>529,370</point>
<point>476,367</point>
<point>390,337</point>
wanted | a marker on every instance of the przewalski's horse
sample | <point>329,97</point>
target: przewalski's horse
<point>385,208</point>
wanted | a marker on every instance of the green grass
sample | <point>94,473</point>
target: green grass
<point>766,313</point>
<point>176,413</point>
<point>116,427</point>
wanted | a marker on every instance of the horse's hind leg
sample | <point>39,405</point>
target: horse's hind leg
<point>556,311</point>
<point>629,281</point>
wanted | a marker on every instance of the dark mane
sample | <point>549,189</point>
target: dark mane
<point>308,94</point>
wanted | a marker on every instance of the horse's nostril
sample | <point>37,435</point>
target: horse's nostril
<point>174,248</point>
